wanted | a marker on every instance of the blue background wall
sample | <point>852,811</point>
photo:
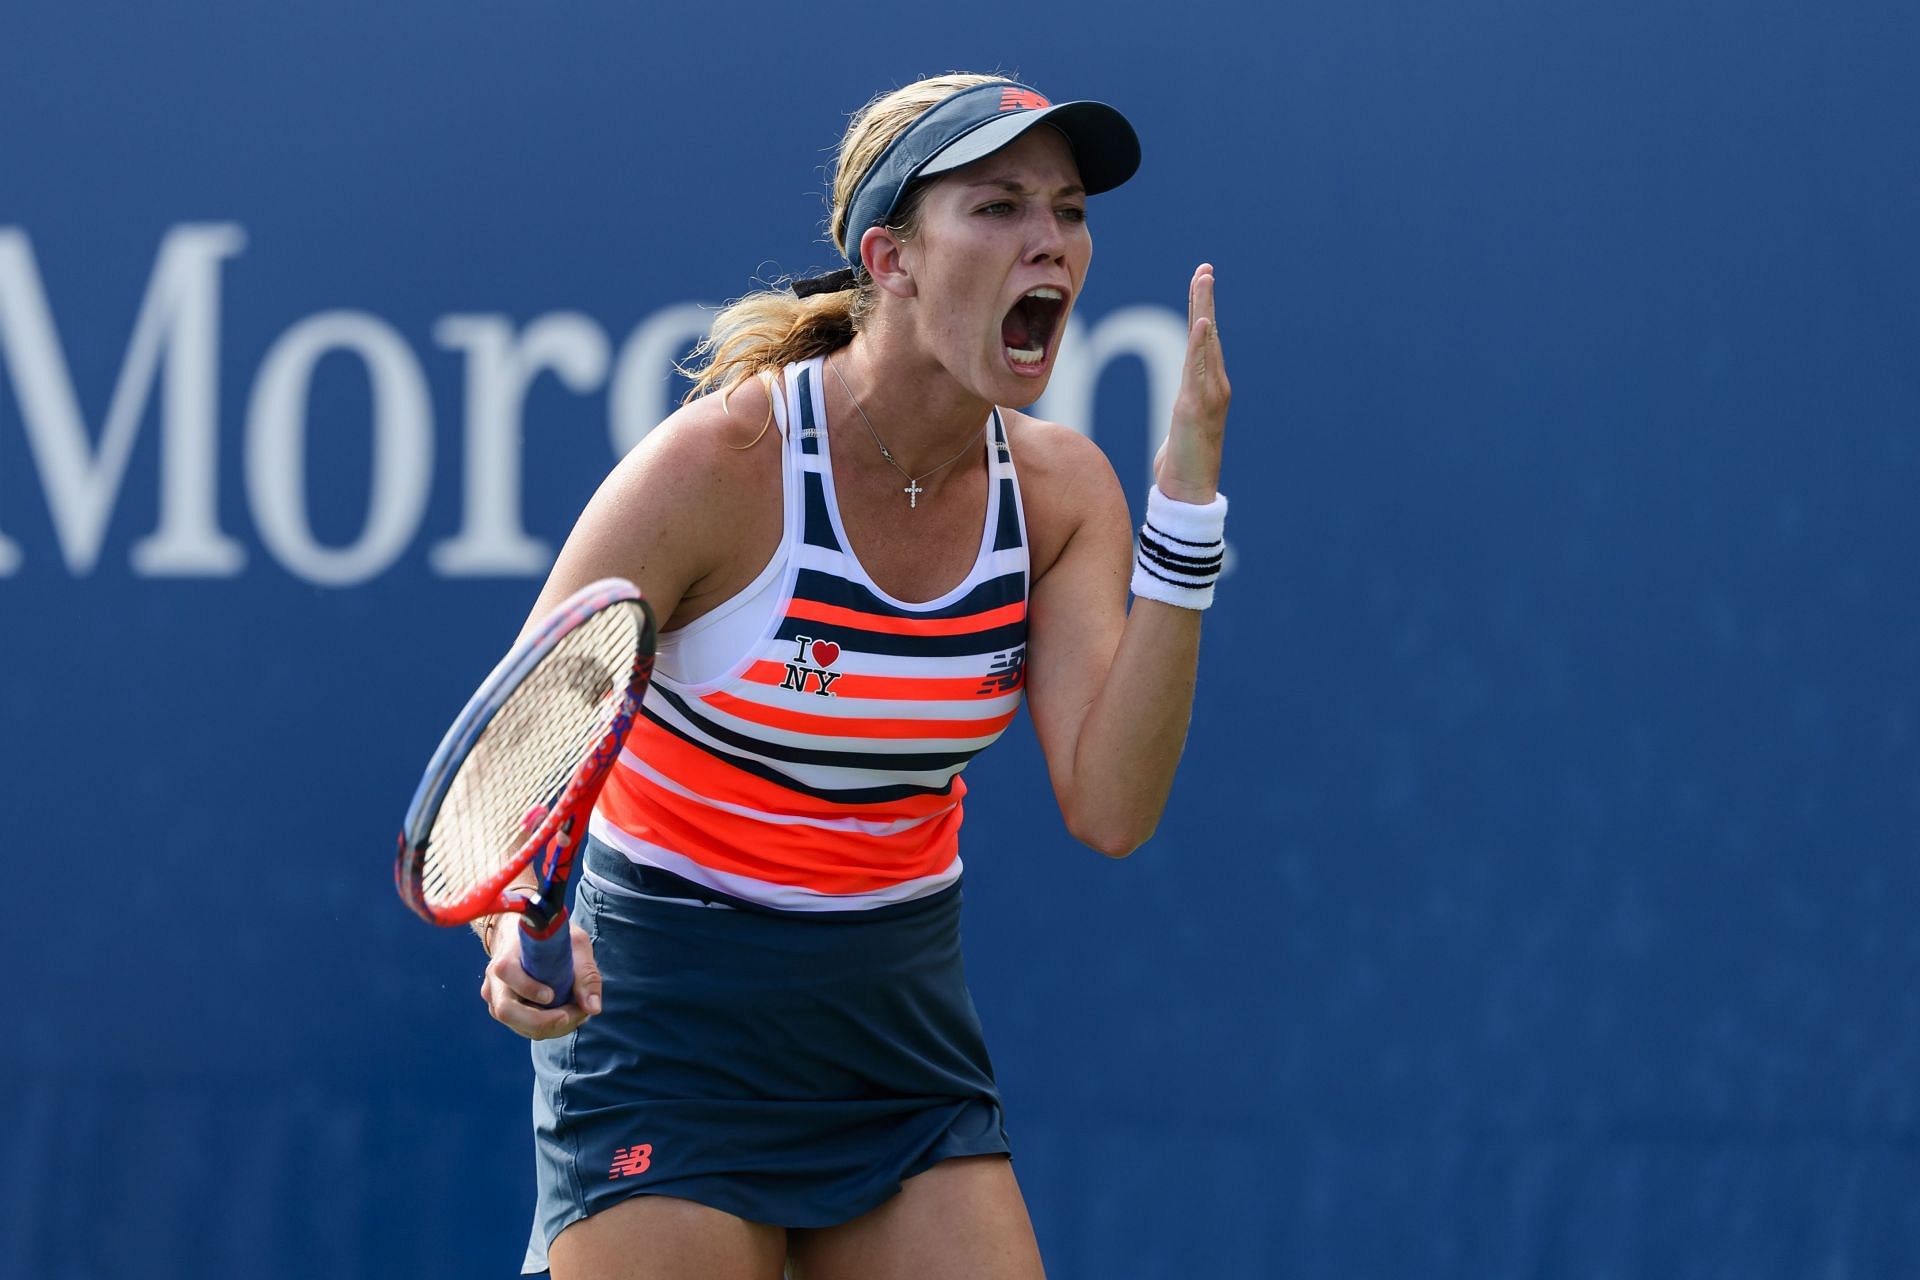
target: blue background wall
<point>1536,899</point>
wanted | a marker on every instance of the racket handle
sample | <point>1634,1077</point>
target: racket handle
<point>549,960</point>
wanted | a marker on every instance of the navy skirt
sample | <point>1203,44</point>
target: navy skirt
<point>788,1068</point>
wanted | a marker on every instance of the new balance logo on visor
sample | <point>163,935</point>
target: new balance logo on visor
<point>628,1161</point>
<point>1022,100</point>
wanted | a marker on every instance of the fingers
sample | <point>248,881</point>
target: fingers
<point>508,970</point>
<point>1205,362</point>
<point>517,1001</point>
<point>1200,295</point>
<point>1205,379</point>
<point>1203,329</point>
<point>1199,344</point>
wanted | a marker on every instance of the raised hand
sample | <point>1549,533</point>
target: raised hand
<point>1187,468</point>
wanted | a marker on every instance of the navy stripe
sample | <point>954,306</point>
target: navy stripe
<point>1006,536</point>
<point>974,644</point>
<point>878,762</point>
<point>827,588</point>
<point>765,772</point>
<point>818,531</point>
<point>809,435</point>
<point>1196,575</point>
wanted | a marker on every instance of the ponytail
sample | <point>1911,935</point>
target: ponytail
<point>769,330</point>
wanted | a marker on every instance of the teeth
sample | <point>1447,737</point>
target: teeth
<point>1035,355</point>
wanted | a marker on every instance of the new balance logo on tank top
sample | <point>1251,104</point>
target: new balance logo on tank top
<point>822,771</point>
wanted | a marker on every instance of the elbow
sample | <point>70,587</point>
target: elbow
<point>1112,839</point>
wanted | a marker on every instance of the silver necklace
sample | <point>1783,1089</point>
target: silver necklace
<point>913,489</point>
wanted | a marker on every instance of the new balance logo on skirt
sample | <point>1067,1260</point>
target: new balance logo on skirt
<point>628,1161</point>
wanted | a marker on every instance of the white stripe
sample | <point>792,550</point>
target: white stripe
<point>783,897</point>
<point>995,565</point>
<point>859,825</point>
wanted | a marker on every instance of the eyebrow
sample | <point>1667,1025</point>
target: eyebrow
<point>1021,189</point>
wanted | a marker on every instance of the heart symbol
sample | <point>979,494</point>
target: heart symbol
<point>825,651</point>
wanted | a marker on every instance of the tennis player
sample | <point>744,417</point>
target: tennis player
<point>864,559</point>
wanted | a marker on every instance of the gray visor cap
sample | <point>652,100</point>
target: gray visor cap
<point>1104,145</point>
<point>977,122</point>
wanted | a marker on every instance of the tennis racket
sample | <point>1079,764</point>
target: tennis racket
<point>513,782</point>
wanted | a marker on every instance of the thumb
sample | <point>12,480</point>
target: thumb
<point>1199,339</point>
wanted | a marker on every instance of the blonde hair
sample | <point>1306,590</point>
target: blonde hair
<point>771,328</point>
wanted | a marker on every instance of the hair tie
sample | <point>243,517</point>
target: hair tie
<point>832,282</point>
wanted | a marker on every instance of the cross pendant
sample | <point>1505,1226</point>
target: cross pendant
<point>913,492</point>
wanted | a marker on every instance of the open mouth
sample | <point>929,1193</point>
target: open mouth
<point>1028,328</point>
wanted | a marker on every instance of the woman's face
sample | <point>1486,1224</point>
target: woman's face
<point>997,265</point>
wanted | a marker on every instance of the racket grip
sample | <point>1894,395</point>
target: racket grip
<point>549,960</point>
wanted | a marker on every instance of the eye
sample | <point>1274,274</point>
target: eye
<point>996,208</point>
<point>1072,213</point>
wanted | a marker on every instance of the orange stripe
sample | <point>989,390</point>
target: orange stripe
<point>714,778</point>
<point>855,726</point>
<point>832,862</point>
<point>899,688</point>
<point>814,611</point>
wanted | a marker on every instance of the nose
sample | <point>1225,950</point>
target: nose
<point>1049,240</point>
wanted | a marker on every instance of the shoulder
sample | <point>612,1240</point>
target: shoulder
<point>1053,453</point>
<point>707,457</point>
<point>1067,486</point>
<point>696,506</point>
<point>719,431</point>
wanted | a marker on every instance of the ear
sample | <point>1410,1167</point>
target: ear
<point>885,259</point>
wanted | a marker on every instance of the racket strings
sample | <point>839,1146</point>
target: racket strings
<point>528,753</point>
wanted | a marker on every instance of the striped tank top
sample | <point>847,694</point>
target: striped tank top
<point>821,772</point>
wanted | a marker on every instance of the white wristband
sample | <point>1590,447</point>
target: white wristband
<point>1182,546</point>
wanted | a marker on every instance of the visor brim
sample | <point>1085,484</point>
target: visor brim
<point>1105,147</point>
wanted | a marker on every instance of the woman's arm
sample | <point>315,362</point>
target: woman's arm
<point>1111,690</point>
<point>684,516</point>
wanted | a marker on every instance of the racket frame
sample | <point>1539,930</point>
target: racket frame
<point>550,847</point>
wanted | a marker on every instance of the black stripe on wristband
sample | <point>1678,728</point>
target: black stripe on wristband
<point>1174,573</point>
<point>1165,556</point>
<point>1162,570</point>
<point>1148,569</point>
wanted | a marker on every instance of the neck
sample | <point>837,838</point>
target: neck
<point>914,403</point>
